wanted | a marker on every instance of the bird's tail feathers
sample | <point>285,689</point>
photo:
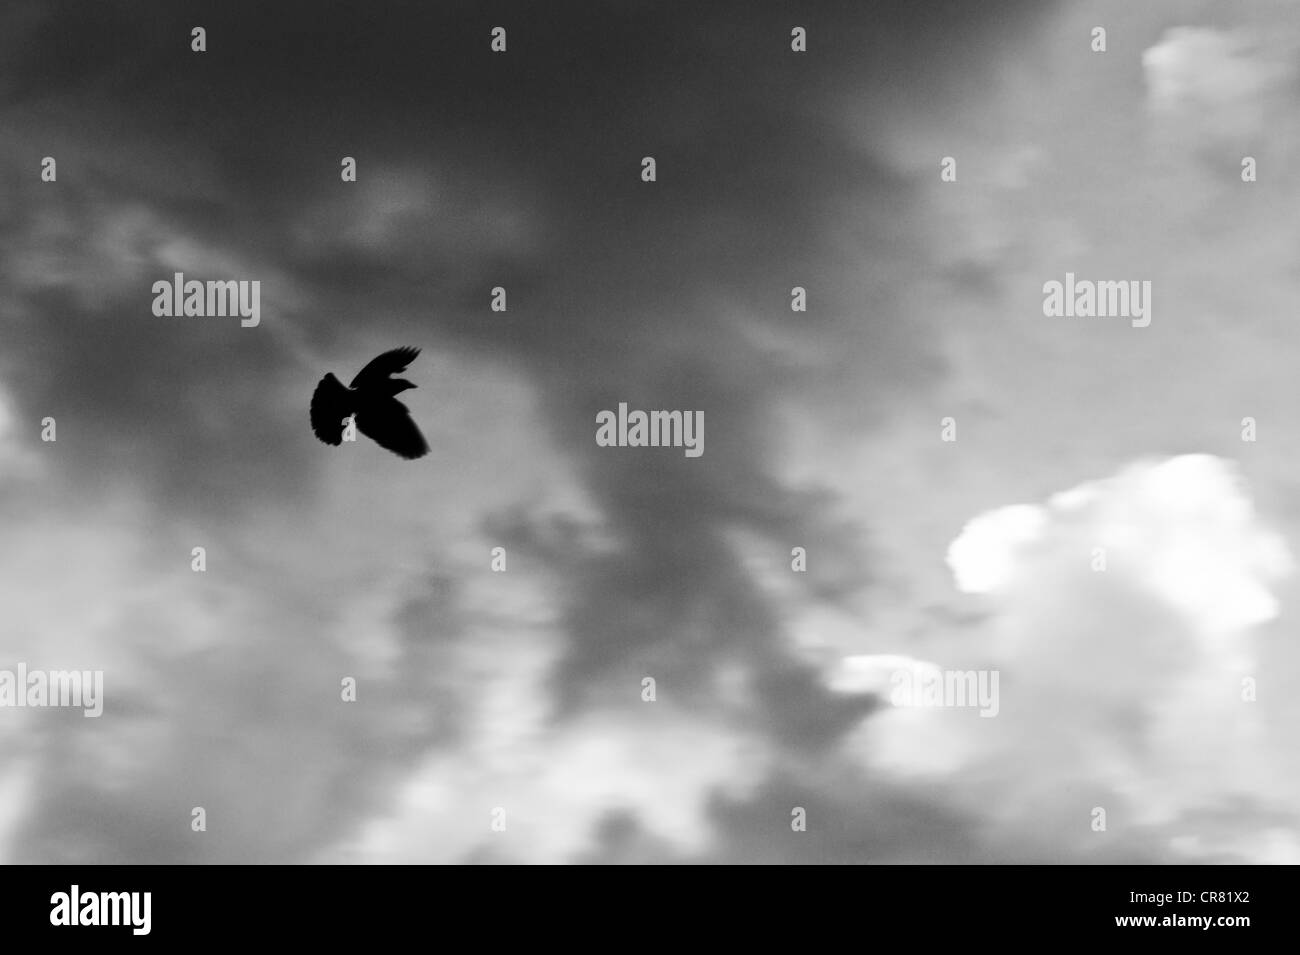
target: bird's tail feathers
<point>331,403</point>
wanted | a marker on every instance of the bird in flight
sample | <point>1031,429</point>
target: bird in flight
<point>370,402</point>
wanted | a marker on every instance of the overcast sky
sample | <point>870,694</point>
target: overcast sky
<point>522,690</point>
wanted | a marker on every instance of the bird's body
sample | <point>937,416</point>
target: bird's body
<point>371,402</point>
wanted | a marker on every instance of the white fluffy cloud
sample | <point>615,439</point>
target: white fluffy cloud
<point>1198,68</point>
<point>1181,529</point>
<point>1121,687</point>
<point>1215,86</point>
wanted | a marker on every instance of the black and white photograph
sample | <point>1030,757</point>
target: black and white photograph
<point>650,433</point>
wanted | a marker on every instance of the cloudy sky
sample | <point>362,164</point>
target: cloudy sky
<point>522,690</point>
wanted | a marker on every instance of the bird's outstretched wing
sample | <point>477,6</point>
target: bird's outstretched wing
<point>389,425</point>
<point>330,404</point>
<point>389,363</point>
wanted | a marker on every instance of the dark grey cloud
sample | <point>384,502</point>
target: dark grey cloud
<point>520,171</point>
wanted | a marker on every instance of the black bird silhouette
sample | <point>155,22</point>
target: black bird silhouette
<point>378,415</point>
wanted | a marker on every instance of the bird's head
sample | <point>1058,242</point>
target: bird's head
<point>401,384</point>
